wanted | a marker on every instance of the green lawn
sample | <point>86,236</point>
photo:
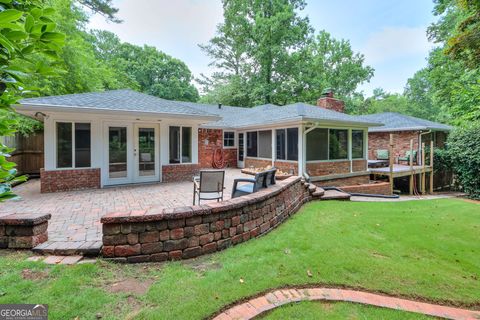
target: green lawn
<point>309,310</point>
<point>428,249</point>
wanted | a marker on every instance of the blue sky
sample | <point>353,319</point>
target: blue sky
<point>391,34</point>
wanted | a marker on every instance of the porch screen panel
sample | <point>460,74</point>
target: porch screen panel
<point>64,145</point>
<point>186,144</point>
<point>265,144</point>
<point>317,144</point>
<point>281,144</point>
<point>252,144</point>
<point>82,145</point>
<point>117,152</point>
<point>174,137</point>
<point>357,144</point>
<point>292,144</point>
<point>338,144</point>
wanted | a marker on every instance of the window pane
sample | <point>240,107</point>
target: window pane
<point>228,139</point>
<point>117,152</point>
<point>186,144</point>
<point>252,144</point>
<point>265,144</point>
<point>357,144</point>
<point>338,144</point>
<point>146,144</point>
<point>64,145</point>
<point>174,137</point>
<point>317,145</point>
<point>292,144</point>
<point>240,147</point>
<point>280,144</point>
<point>82,145</point>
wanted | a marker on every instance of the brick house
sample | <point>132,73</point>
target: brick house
<point>404,128</point>
<point>116,137</point>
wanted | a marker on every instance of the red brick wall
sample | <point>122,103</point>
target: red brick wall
<point>359,165</point>
<point>65,180</point>
<point>369,188</point>
<point>315,169</point>
<point>160,234</point>
<point>284,166</point>
<point>215,141</point>
<point>331,104</point>
<point>357,180</point>
<point>401,141</point>
<point>179,172</point>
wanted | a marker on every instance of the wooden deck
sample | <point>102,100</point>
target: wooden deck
<point>399,170</point>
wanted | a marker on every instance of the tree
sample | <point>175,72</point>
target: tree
<point>103,7</point>
<point>257,46</point>
<point>146,68</point>
<point>27,30</point>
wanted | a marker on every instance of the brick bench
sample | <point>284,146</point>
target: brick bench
<point>159,234</point>
<point>23,231</point>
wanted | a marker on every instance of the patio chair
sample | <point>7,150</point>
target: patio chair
<point>270,178</point>
<point>209,185</point>
<point>382,154</point>
<point>407,157</point>
<point>251,184</point>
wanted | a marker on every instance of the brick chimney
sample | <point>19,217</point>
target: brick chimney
<point>327,101</point>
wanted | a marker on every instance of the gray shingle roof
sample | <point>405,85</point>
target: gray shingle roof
<point>235,117</point>
<point>225,117</point>
<point>399,122</point>
<point>116,100</point>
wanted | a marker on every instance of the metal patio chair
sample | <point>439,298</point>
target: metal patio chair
<point>209,185</point>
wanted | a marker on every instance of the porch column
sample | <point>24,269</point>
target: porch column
<point>302,153</point>
<point>350,149</point>
<point>274,147</point>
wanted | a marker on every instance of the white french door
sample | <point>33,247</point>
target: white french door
<point>131,153</point>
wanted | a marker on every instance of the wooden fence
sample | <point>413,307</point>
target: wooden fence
<point>28,154</point>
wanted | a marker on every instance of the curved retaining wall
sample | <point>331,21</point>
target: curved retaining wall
<point>186,232</point>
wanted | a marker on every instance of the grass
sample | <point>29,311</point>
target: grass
<point>425,249</point>
<point>309,310</point>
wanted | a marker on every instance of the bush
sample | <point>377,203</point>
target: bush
<point>463,148</point>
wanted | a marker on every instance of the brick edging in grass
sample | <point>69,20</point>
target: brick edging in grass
<point>160,234</point>
<point>273,299</point>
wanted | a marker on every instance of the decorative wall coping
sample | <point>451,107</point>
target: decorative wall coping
<point>158,214</point>
<point>23,231</point>
<point>24,219</point>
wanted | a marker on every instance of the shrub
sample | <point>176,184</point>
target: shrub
<point>463,148</point>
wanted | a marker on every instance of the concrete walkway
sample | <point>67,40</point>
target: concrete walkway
<point>256,306</point>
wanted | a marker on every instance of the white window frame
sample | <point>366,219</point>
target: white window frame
<point>181,145</point>
<point>349,144</point>
<point>55,141</point>
<point>258,139</point>
<point>234,140</point>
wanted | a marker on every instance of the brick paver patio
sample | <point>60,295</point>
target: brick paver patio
<point>256,306</point>
<point>75,221</point>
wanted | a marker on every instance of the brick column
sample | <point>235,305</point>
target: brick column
<point>23,231</point>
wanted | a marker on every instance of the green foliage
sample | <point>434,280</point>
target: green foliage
<point>103,7</point>
<point>380,101</point>
<point>464,157</point>
<point>145,68</point>
<point>266,52</point>
<point>27,30</point>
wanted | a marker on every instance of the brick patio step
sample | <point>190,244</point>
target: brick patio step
<point>69,248</point>
<point>335,195</point>
<point>312,188</point>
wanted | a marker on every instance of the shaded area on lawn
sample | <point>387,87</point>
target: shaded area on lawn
<point>426,249</point>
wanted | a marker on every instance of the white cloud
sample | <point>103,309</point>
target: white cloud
<point>393,43</point>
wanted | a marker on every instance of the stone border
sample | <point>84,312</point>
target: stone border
<point>274,299</point>
<point>160,234</point>
<point>23,231</point>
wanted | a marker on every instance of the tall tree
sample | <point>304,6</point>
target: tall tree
<point>255,46</point>
<point>27,30</point>
<point>147,68</point>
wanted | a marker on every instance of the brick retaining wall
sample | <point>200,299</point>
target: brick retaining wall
<point>161,234</point>
<point>369,188</point>
<point>23,231</point>
<point>69,179</point>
